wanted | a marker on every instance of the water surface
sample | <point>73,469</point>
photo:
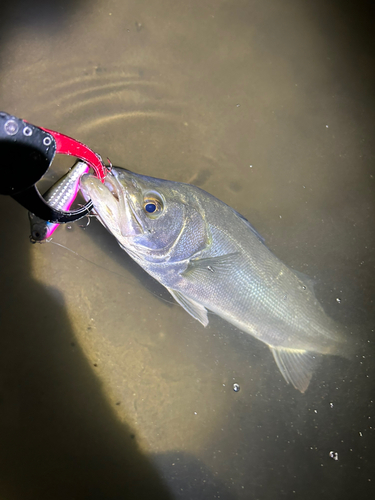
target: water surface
<point>108,388</point>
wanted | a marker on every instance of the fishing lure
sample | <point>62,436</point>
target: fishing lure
<point>60,196</point>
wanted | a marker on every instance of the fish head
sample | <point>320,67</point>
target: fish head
<point>147,216</point>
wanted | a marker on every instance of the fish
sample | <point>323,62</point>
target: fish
<point>59,196</point>
<point>210,258</point>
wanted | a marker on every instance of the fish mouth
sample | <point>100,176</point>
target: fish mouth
<point>111,184</point>
<point>130,224</point>
<point>113,204</point>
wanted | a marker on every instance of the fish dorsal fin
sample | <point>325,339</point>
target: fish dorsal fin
<point>222,265</point>
<point>196,310</point>
<point>296,366</point>
<point>249,225</point>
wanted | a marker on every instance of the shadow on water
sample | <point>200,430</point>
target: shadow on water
<point>190,478</point>
<point>59,436</point>
<point>39,14</point>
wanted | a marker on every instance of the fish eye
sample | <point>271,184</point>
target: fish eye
<point>152,205</point>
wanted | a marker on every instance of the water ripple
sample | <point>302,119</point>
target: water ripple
<point>99,97</point>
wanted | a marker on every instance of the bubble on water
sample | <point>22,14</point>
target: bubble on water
<point>237,105</point>
<point>334,455</point>
<point>331,405</point>
<point>338,300</point>
<point>236,387</point>
<point>69,227</point>
<point>303,288</point>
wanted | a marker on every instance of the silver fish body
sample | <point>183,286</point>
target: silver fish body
<point>59,196</point>
<point>210,258</point>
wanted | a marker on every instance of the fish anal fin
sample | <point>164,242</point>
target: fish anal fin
<point>296,366</point>
<point>196,310</point>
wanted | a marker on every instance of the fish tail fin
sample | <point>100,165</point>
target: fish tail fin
<point>296,366</point>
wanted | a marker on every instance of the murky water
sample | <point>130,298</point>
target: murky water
<point>110,390</point>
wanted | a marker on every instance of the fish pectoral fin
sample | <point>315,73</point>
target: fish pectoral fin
<point>222,265</point>
<point>296,366</point>
<point>196,310</point>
